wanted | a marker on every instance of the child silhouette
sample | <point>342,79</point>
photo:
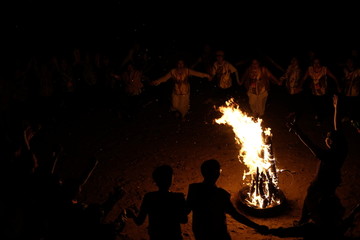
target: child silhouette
<point>210,204</point>
<point>165,209</point>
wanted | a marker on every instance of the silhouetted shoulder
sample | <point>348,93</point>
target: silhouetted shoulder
<point>195,185</point>
<point>202,186</point>
<point>199,193</point>
<point>173,195</point>
<point>178,195</point>
<point>223,192</point>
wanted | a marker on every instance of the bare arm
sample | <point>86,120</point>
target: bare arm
<point>246,221</point>
<point>198,61</point>
<point>304,78</point>
<point>271,76</point>
<point>198,74</point>
<point>241,218</point>
<point>140,218</point>
<point>274,63</point>
<point>284,76</point>
<point>189,200</point>
<point>244,78</point>
<point>183,211</point>
<point>162,79</point>
<point>128,58</point>
<point>235,71</point>
<point>213,70</point>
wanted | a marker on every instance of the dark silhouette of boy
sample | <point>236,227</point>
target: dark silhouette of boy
<point>165,210</point>
<point>210,204</point>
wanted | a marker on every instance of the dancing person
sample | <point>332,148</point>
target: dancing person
<point>180,98</point>
<point>292,78</point>
<point>257,83</point>
<point>132,80</point>
<point>222,73</point>
<point>351,80</point>
<point>319,85</point>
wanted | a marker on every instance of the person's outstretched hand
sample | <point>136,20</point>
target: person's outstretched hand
<point>153,83</point>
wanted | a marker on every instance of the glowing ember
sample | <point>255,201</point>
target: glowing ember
<point>256,153</point>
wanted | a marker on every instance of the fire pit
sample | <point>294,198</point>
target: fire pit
<point>261,195</point>
<point>268,211</point>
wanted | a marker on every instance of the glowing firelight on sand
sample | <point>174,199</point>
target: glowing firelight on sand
<point>256,153</point>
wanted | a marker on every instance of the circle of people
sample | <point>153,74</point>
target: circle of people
<point>257,80</point>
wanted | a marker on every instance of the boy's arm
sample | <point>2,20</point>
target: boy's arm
<point>189,200</point>
<point>231,210</point>
<point>140,218</point>
<point>183,211</point>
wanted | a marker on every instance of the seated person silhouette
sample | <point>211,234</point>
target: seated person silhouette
<point>210,204</point>
<point>165,209</point>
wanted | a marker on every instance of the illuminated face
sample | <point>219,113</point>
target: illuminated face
<point>180,64</point>
<point>316,63</point>
<point>255,63</point>
<point>219,55</point>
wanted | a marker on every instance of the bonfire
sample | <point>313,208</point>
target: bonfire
<point>261,189</point>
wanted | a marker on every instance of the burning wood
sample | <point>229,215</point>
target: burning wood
<point>256,153</point>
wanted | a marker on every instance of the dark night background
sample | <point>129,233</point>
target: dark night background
<point>128,151</point>
<point>235,25</point>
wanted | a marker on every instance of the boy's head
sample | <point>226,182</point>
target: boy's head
<point>162,176</point>
<point>210,170</point>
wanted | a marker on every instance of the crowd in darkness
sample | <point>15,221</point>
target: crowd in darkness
<point>48,84</point>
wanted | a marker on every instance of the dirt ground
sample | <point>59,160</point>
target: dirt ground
<point>128,151</point>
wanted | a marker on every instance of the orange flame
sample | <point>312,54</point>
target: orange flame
<point>255,153</point>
